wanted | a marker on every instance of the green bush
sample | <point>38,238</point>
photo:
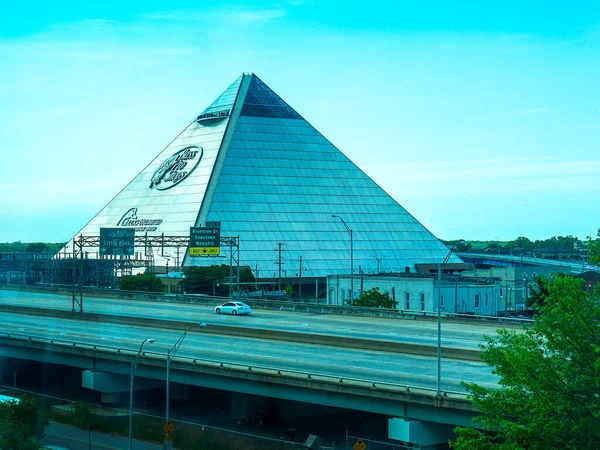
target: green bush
<point>372,298</point>
<point>141,282</point>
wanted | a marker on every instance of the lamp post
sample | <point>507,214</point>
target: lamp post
<point>439,318</point>
<point>133,367</point>
<point>170,355</point>
<point>349,230</point>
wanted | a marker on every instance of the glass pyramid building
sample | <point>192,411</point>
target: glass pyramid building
<point>254,164</point>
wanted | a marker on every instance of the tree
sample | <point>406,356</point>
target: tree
<point>594,249</point>
<point>146,282</point>
<point>548,376</point>
<point>374,299</point>
<point>36,247</point>
<point>21,425</point>
<point>215,278</point>
<point>289,290</point>
<point>461,245</point>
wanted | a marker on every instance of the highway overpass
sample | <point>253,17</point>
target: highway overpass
<point>381,365</point>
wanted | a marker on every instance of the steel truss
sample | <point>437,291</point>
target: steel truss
<point>148,242</point>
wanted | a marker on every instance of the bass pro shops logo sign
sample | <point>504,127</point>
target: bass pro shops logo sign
<point>130,219</point>
<point>176,168</point>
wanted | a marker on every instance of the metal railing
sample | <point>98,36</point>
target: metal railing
<point>278,305</point>
<point>222,364</point>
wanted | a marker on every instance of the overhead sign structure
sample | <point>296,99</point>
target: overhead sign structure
<point>117,241</point>
<point>205,241</point>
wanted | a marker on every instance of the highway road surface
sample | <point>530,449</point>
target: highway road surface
<point>458,334</point>
<point>374,366</point>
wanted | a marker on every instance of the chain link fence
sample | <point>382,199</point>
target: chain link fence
<point>353,442</point>
<point>149,427</point>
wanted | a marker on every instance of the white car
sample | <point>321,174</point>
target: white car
<point>233,308</point>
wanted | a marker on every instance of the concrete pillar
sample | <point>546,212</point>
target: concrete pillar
<point>240,406</point>
<point>110,385</point>
<point>179,391</point>
<point>248,407</point>
<point>426,434</point>
<point>110,398</point>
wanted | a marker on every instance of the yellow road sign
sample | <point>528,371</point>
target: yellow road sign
<point>169,427</point>
<point>360,445</point>
<point>205,251</point>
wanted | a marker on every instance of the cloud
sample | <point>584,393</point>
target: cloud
<point>263,15</point>
<point>224,14</point>
<point>178,15</point>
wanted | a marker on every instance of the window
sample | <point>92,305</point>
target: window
<point>442,300</point>
<point>476,301</point>
<point>487,299</point>
<point>343,295</point>
<point>407,296</point>
<point>422,302</point>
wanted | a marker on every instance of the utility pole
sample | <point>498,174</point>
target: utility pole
<point>300,281</point>
<point>349,230</point>
<point>362,279</point>
<point>378,259</point>
<point>279,263</point>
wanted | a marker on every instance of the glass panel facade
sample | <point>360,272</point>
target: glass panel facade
<point>282,181</point>
<point>226,100</point>
<point>263,102</point>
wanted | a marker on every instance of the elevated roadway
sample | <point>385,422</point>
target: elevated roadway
<point>394,383</point>
<point>518,261</point>
<point>463,334</point>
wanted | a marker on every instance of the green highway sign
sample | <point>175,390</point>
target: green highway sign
<point>117,241</point>
<point>205,241</point>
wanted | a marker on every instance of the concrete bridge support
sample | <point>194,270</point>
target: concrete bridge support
<point>248,407</point>
<point>111,385</point>
<point>426,434</point>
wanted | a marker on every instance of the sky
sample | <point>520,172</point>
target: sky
<point>481,119</point>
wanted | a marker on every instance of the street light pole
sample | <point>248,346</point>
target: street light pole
<point>133,367</point>
<point>439,318</point>
<point>170,355</point>
<point>349,230</point>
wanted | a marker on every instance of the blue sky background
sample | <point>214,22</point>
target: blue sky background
<point>482,120</point>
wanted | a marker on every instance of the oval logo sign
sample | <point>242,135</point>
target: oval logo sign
<point>176,168</point>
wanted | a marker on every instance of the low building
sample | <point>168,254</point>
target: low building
<point>419,292</point>
<point>514,280</point>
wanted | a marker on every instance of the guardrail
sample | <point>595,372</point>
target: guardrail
<point>289,373</point>
<point>281,305</point>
